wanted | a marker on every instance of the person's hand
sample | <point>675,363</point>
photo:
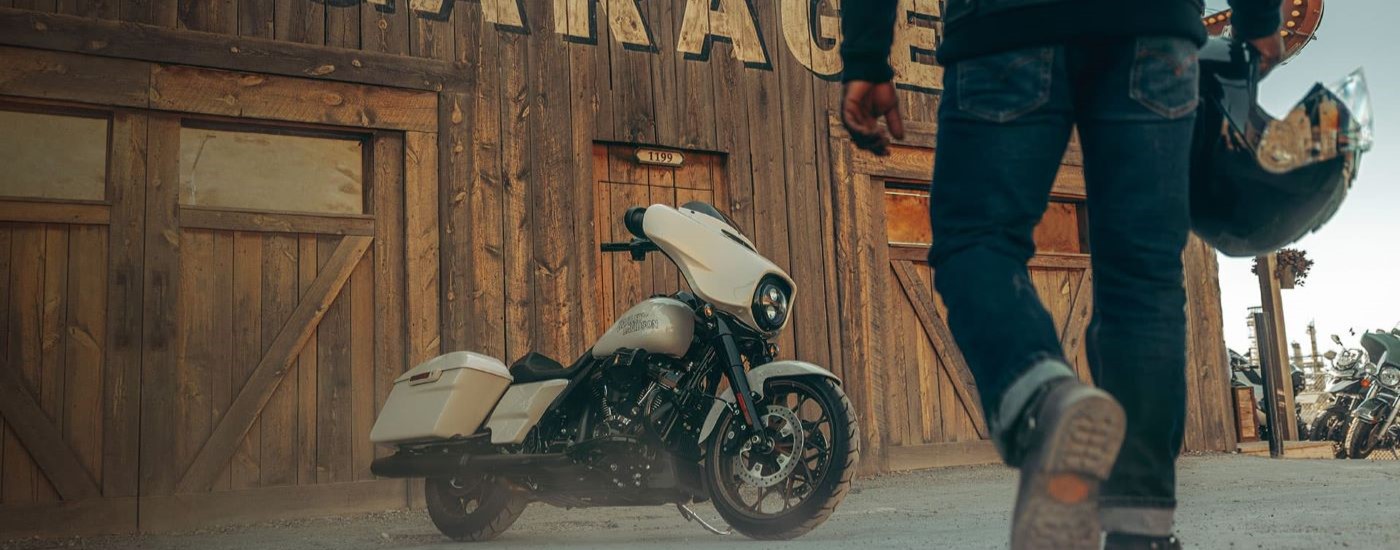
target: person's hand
<point>864,104</point>
<point>1270,50</point>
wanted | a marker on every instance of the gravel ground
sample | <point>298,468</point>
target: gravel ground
<point>1227,501</point>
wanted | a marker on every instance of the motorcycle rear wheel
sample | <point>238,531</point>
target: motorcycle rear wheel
<point>472,510</point>
<point>817,480</point>
<point>1361,439</point>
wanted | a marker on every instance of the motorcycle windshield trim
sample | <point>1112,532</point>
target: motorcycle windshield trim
<point>1385,348</point>
<point>709,210</point>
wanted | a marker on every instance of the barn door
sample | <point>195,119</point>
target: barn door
<point>70,316</point>
<point>275,313</point>
<point>622,182</point>
<point>933,400</point>
<point>922,398</point>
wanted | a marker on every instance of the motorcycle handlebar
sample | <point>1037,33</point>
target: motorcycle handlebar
<point>616,247</point>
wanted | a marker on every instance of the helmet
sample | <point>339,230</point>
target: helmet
<point>1259,183</point>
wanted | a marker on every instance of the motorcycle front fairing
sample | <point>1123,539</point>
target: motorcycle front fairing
<point>721,265</point>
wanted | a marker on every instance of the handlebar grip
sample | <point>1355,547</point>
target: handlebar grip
<point>633,220</point>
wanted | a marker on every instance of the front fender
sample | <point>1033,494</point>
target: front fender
<point>1372,410</point>
<point>758,377</point>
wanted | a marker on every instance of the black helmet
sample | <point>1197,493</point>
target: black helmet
<point>1259,183</point>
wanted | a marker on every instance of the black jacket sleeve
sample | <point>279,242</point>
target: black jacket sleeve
<point>867,27</point>
<point>1255,18</point>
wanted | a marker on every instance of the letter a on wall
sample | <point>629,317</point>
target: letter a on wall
<point>577,20</point>
<point>732,21</point>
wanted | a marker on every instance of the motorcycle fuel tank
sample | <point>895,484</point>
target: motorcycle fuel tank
<point>657,325</point>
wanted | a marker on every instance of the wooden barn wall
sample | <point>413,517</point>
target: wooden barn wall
<point>526,87</point>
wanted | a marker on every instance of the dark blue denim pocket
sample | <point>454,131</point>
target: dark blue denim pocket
<point>1166,76</point>
<point>1003,86</point>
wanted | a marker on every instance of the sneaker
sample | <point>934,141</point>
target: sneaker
<point>1068,439</point>
<point>1125,541</point>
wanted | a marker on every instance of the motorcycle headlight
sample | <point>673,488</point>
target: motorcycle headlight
<point>1347,359</point>
<point>1390,376</point>
<point>771,303</point>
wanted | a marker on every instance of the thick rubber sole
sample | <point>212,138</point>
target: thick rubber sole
<point>1057,505</point>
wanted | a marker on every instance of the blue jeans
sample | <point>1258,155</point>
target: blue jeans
<point>1004,123</point>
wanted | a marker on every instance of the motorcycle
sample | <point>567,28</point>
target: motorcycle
<point>1372,424</point>
<point>1243,375</point>
<point>681,401</point>
<point>1347,383</point>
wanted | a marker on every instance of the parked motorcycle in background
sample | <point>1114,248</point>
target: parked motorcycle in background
<point>1373,421</point>
<point>1347,382</point>
<point>1244,375</point>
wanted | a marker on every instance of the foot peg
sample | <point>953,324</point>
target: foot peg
<point>690,515</point>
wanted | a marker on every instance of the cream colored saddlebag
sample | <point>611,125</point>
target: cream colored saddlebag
<point>447,396</point>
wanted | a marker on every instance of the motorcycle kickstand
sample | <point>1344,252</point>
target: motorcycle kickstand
<point>690,515</point>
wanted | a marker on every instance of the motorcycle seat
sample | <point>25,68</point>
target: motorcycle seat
<point>536,367</point>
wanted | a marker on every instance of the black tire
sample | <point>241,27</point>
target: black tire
<point>1324,425</point>
<point>474,513</point>
<point>835,465</point>
<point>1359,442</point>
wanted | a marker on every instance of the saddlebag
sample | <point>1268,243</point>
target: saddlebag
<point>448,396</point>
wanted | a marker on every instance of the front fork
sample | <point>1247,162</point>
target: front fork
<point>738,378</point>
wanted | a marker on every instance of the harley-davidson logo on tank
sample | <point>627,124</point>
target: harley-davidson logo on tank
<point>809,30</point>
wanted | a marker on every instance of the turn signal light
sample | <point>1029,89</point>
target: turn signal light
<point>1365,383</point>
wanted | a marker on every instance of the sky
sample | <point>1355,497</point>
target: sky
<point>1355,278</point>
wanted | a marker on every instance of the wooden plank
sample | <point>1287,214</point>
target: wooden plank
<point>6,264</point>
<point>343,25</point>
<point>274,364</point>
<point>296,21</point>
<point>86,345</point>
<point>361,368</point>
<point>247,286</point>
<point>283,56</point>
<point>67,519</point>
<point>26,288</point>
<point>247,95</point>
<point>602,205</point>
<point>43,440</point>
<point>421,242</point>
<point>220,343</point>
<point>634,112</point>
<point>937,331</point>
<point>210,510</point>
<point>308,265</point>
<point>900,360</point>
<point>942,455</point>
<point>238,220</point>
<point>516,165</point>
<point>257,18</point>
<point>53,333</point>
<point>1080,312</point>
<point>335,420</point>
<point>195,393</point>
<point>99,9</point>
<point>161,298</point>
<point>1059,261</point>
<point>454,179</point>
<point>70,77</point>
<point>390,334</point>
<point>279,418</point>
<point>485,189</point>
<point>1275,350</point>
<point>27,211</point>
<point>126,250</point>
<point>695,100</point>
<point>662,19</point>
<point>554,265</point>
<point>384,28</point>
<point>598,77</point>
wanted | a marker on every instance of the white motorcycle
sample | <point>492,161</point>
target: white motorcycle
<point>648,416</point>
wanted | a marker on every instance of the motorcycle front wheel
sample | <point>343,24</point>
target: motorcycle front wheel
<point>790,480</point>
<point>1362,438</point>
<point>472,510</point>
<point>1330,426</point>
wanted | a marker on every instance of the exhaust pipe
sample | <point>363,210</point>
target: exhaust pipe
<point>434,465</point>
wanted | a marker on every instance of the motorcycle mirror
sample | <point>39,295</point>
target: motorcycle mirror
<point>1330,355</point>
<point>1337,339</point>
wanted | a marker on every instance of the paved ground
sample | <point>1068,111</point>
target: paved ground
<point>1228,501</point>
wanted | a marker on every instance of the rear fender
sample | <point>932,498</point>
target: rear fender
<point>758,378</point>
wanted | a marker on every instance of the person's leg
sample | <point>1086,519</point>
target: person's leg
<point>1135,125</point>
<point>1003,126</point>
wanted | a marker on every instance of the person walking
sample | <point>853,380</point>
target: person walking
<point>1020,75</point>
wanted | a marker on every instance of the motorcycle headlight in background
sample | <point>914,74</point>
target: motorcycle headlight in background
<point>1390,376</point>
<point>771,303</point>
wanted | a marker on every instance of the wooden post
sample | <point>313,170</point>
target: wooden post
<point>1273,348</point>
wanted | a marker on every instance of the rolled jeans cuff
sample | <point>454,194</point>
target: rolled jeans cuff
<point>1016,396</point>
<point>1140,517</point>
